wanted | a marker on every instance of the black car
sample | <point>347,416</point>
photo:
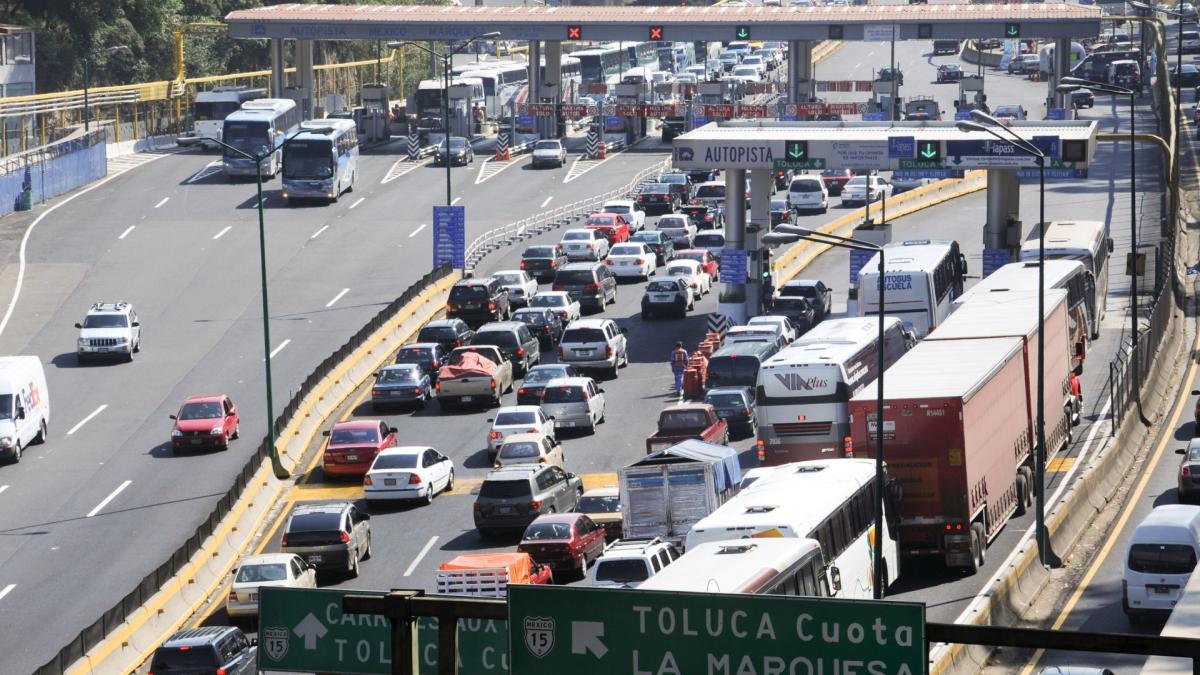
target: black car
<point>797,310</point>
<point>703,216</point>
<point>478,301</point>
<point>681,185</point>
<point>515,341</point>
<point>542,262</point>
<point>1084,98</point>
<point>428,355</point>
<point>1188,75</point>
<point>736,406</point>
<point>949,72</point>
<point>662,245</point>
<point>819,296</point>
<point>460,152</point>
<point>657,196</point>
<point>543,322</point>
<point>888,74</point>
<point>780,213</point>
<point>449,333</point>
<point>592,284</point>
<point>698,176</point>
<point>209,649</point>
<point>530,391</point>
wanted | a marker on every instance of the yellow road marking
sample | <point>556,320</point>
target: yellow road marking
<point>596,480</point>
<point>1060,464</point>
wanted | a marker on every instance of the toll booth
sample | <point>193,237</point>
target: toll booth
<point>302,97</point>
<point>372,115</point>
<point>626,124</point>
<point>970,94</point>
<point>460,110</point>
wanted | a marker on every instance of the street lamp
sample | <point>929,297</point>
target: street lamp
<point>276,466</point>
<point>787,234</point>
<point>87,72</point>
<point>447,58</point>
<point>988,124</point>
<point>1178,64</point>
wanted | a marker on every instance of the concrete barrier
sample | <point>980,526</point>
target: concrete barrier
<point>149,144</point>
<point>972,54</point>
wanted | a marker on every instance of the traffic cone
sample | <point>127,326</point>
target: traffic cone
<point>600,151</point>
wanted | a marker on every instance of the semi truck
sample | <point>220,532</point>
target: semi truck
<point>953,435</point>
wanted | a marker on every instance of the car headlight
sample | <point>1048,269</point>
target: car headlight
<point>215,430</point>
<point>176,433</point>
<point>83,342</point>
<point>6,441</point>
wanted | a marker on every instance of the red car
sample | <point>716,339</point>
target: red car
<point>613,226</point>
<point>352,446</point>
<point>708,262</point>
<point>836,179</point>
<point>205,422</point>
<point>563,541</point>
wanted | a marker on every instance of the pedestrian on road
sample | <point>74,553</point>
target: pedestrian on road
<point>1077,391</point>
<point>679,359</point>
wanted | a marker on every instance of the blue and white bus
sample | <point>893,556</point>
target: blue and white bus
<point>321,164</point>
<point>602,65</point>
<point>260,126</point>
<point>501,82</point>
<point>923,279</point>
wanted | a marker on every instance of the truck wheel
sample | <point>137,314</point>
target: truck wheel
<point>1023,492</point>
<point>978,547</point>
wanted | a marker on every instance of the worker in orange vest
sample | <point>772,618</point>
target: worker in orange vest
<point>679,359</point>
<point>1077,392</point>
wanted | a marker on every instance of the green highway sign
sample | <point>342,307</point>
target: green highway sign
<point>743,32</point>
<point>799,164</point>
<point>920,164</point>
<point>929,151</point>
<point>587,631</point>
<point>1012,30</point>
<point>482,646</point>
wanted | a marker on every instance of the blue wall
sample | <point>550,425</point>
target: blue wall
<point>76,164</point>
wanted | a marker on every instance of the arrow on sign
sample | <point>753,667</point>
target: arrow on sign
<point>310,629</point>
<point>743,32</point>
<point>928,152</point>
<point>797,152</point>
<point>585,637</point>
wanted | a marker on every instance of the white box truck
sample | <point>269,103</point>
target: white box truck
<point>24,405</point>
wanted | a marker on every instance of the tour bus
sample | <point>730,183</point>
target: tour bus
<point>831,501</point>
<point>568,75</point>
<point>1086,241</point>
<point>923,279</point>
<point>260,126</point>
<point>321,164</point>
<point>501,82</point>
<point>751,566</point>
<point>676,58</point>
<point>602,65</point>
<point>430,93</point>
<point>802,392</point>
<point>1070,275</point>
<point>211,107</point>
<point>642,53</point>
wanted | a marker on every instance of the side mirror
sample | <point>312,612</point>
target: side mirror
<point>79,325</point>
<point>835,577</point>
<point>490,420</point>
<point>624,331</point>
<point>172,417</point>
<point>550,417</point>
<point>392,430</point>
<point>1110,245</point>
<point>600,390</point>
<point>21,414</point>
<point>1196,392</point>
<point>364,516</point>
<point>1180,451</point>
<point>137,324</point>
<point>325,433</point>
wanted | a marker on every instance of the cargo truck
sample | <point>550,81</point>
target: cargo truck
<point>953,432</point>
<point>1014,314</point>
<point>668,491</point>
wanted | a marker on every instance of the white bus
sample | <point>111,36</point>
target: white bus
<point>211,107</point>
<point>750,566</point>
<point>602,65</point>
<point>259,127</point>
<point>802,392</point>
<point>501,82</point>
<point>1069,275</point>
<point>1086,241</point>
<point>831,501</point>
<point>923,279</point>
<point>466,93</point>
<point>318,165</point>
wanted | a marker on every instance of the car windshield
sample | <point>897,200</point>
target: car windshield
<point>579,236</point>
<point>397,461</point>
<point>547,145</point>
<point>397,376</point>
<point>259,573</point>
<point>539,252</point>
<point>621,571</point>
<point>1194,454</point>
<point>548,301</point>
<point>710,191</point>
<point>599,504</point>
<point>468,293</point>
<point>1007,110</point>
<point>647,237</point>
<point>679,271</point>
<point>340,436</point>
<point>575,277</point>
<point>317,521</point>
<point>1162,558</point>
<point>519,450</point>
<point>779,205</point>
<point>563,394</point>
<point>726,401</point>
<point>541,375</point>
<point>515,417</point>
<point>435,333</point>
<point>807,186</point>
<point>656,188</point>
<point>798,291</point>
<point>618,208</point>
<point>510,279</point>
<point>308,158</point>
<point>544,531</point>
<point>834,173</point>
<point>168,659</point>
<point>106,321</point>
<point>662,287</point>
<point>709,240</point>
<point>672,222</point>
<point>201,411</point>
<point>583,335</point>
<point>529,318</point>
<point>626,250</point>
<point>598,220</point>
<point>676,178</point>
<point>456,143</point>
<point>857,181</point>
<point>504,489</point>
<point>499,338</point>
<point>791,303</point>
<point>414,355</point>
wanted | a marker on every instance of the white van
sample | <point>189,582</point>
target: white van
<point>24,405</point>
<point>808,193</point>
<point>1161,556</point>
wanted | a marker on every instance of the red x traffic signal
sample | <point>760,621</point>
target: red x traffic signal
<point>656,33</point>
<point>574,32</point>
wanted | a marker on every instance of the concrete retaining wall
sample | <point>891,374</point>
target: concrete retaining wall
<point>976,56</point>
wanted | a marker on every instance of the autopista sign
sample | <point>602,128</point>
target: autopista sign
<point>633,632</point>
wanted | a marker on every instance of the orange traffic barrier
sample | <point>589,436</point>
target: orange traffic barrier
<point>693,383</point>
<point>601,152</point>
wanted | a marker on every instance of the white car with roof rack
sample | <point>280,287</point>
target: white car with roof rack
<point>626,563</point>
<point>109,329</point>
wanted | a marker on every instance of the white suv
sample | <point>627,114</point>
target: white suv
<point>594,344</point>
<point>109,329</point>
<point>626,563</point>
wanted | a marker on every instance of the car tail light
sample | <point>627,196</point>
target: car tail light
<point>374,392</point>
<point>416,390</point>
<point>562,315</point>
<point>541,460</point>
<point>491,306</point>
<point>494,435</point>
<point>221,671</point>
<point>367,480</point>
<point>1187,471</point>
<point>522,264</point>
<point>532,431</point>
<point>640,261</point>
<point>591,247</point>
<point>493,383</point>
<point>560,352</point>
<point>593,287</point>
<point>607,261</point>
<point>283,542</point>
<point>449,307</point>
<point>535,504</point>
<point>608,351</point>
<point>414,479</point>
<point>548,329</point>
<point>232,595</point>
<point>478,508</point>
<point>954,527</point>
<point>344,537</point>
<point>521,391</point>
<point>848,446</point>
<point>553,264</point>
<point>762,450</point>
<point>556,287</point>
<point>520,351</point>
<point>746,411</point>
<point>437,386</point>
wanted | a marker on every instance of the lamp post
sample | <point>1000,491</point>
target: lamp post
<point>276,466</point>
<point>1178,65</point>
<point>787,234</point>
<point>988,124</point>
<point>87,74</point>
<point>447,58</point>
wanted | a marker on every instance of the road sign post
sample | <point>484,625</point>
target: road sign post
<point>449,236</point>
<point>304,630</point>
<point>733,267</point>
<point>584,631</point>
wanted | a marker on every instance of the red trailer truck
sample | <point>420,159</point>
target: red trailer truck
<point>1014,314</point>
<point>955,423</point>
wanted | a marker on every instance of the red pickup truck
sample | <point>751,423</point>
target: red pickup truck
<point>682,421</point>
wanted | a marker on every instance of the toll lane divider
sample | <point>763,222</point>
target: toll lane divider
<point>128,633</point>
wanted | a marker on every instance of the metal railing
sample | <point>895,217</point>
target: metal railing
<point>557,217</point>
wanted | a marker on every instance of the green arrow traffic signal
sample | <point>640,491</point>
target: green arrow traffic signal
<point>796,150</point>
<point>1012,30</point>
<point>929,151</point>
<point>743,32</point>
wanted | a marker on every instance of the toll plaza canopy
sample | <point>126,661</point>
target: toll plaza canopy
<point>919,146</point>
<point>861,22</point>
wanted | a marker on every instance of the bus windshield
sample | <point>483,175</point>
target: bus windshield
<point>214,110</point>
<point>312,159</point>
<point>251,137</point>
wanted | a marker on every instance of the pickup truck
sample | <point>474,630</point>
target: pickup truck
<point>489,574</point>
<point>474,374</point>
<point>682,421</point>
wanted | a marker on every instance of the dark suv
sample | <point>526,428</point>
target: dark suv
<point>448,333</point>
<point>592,284</point>
<point>512,497</point>
<point>515,341</point>
<point>207,650</point>
<point>478,301</point>
<point>428,355</point>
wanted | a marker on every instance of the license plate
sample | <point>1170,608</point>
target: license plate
<point>197,441</point>
<point>351,458</point>
<point>662,298</point>
<point>314,558</point>
<point>567,423</point>
<point>389,481</point>
<point>1161,590</point>
<point>582,352</point>
<point>505,510</point>
<point>103,349</point>
<point>468,399</point>
<point>774,441</point>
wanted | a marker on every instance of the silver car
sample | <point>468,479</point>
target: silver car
<point>331,537</point>
<point>594,344</point>
<point>550,152</point>
<point>573,403</point>
<point>278,570</point>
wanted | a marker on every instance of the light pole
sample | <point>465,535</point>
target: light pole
<point>447,58</point>
<point>1178,65</point>
<point>87,74</point>
<point>276,466</point>
<point>988,124</point>
<point>787,234</point>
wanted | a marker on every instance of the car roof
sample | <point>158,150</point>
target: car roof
<point>514,472</point>
<point>499,272</point>
<point>745,391</point>
<point>326,507</point>
<point>581,266</point>
<point>402,366</point>
<point>205,398</point>
<point>603,491</point>
<point>517,408</point>
<point>558,517</point>
<point>403,450</point>
<point>357,424</point>
<point>802,282</point>
<point>266,558</point>
<point>683,263</point>
<point>523,438</point>
<point>590,323</point>
<point>420,345</point>
<point>699,251</point>
<point>496,326</point>
<point>191,637</point>
<point>578,381</point>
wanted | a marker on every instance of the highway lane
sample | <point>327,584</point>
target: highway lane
<point>194,283</point>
